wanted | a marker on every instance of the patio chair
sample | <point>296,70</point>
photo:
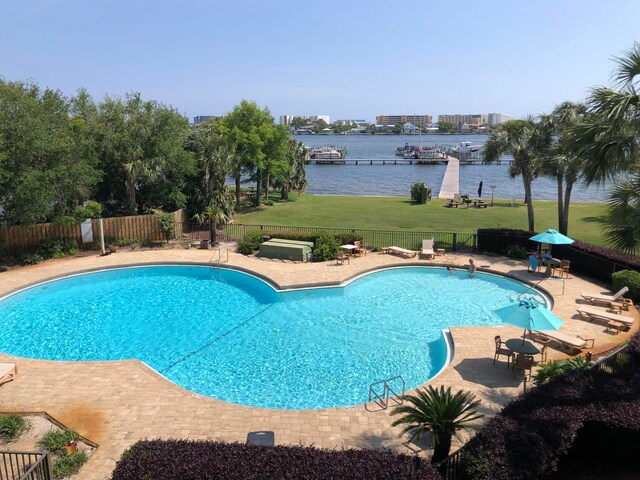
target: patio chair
<point>8,372</point>
<point>341,256</point>
<point>533,263</point>
<point>591,297</point>
<point>570,342</point>
<point>427,249</point>
<point>500,350</point>
<point>522,362</point>
<point>359,250</point>
<point>563,267</point>
<point>593,313</point>
<point>402,251</point>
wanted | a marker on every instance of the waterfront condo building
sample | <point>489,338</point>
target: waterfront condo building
<point>287,119</point>
<point>459,120</point>
<point>418,120</point>
<point>203,118</point>
<point>498,118</point>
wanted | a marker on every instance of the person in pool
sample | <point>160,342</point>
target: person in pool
<point>472,267</point>
<point>451,270</point>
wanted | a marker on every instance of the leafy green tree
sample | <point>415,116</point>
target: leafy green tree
<point>257,142</point>
<point>142,147</point>
<point>609,142</point>
<point>521,139</point>
<point>438,411</point>
<point>47,168</point>
<point>560,159</point>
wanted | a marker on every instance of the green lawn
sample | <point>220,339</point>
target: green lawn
<point>397,213</point>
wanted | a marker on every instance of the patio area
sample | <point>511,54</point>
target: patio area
<point>117,403</point>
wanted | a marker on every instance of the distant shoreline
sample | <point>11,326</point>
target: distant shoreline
<point>518,201</point>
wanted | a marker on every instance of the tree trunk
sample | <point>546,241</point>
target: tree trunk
<point>441,447</point>
<point>266,187</point>
<point>526,179</point>
<point>236,179</point>
<point>565,218</point>
<point>284,192</point>
<point>258,187</point>
<point>213,233</point>
<point>131,190</point>
<point>561,206</point>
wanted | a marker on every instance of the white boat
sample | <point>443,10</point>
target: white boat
<point>467,147</point>
<point>327,152</point>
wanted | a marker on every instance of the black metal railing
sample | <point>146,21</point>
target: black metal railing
<point>25,466</point>
<point>450,241</point>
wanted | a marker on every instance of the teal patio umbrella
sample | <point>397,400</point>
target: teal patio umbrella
<point>529,315</point>
<point>552,237</point>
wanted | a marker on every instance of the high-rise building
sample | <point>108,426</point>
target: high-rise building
<point>498,118</point>
<point>459,120</point>
<point>287,119</point>
<point>202,118</point>
<point>418,120</point>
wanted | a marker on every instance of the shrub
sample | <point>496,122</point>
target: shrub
<point>3,268</point>
<point>28,258</point>
<point>68,465</point>
<point>420,192</point>
<point>533,433</point>
<point>167,225</point>
<point>250,242</point>
<point>190,460</point>
<point>517,252</point>
<point>554,368</point>
<point>268,203</point>
<point>125,242</point>
<point>12,426</point>
<point>326,248</point>
<point>54,440</point>
<point>57,248</point>
<point>627,278</point>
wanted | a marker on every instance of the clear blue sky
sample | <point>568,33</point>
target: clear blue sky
<point>347,59</point>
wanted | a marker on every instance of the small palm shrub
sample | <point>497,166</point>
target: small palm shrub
<point>12,426</point>
<point>438,411</point>
<point>554,368</point>
<point>167,225</point>
<point>55,440</point>
<point>28,258</point>
<point>67,465</point>
<point>57,248</point>
<point>125,242</point>
<point>517,252</point>
<point>250,242</point>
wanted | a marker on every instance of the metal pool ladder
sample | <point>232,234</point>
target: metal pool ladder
<point>215,263</point>
<point>388,394</point>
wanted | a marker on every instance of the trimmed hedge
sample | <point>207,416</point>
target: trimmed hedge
<point>252,240</point>
<point>203,460</point>
<point>532,434</point>
<point>500,240</point>
<point>627,278</point>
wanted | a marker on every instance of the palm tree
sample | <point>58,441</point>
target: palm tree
<point>438,411</point>
<point>609,142</point>
<point>294,178</point>
<point>214,215</point>
<point>622,223</point>
<point>521,139</point>
<point>561,160</point>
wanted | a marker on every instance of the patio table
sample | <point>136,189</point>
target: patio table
<point>516,345</point>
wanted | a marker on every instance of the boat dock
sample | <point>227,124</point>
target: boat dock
<point>451,180</point>
<point>374,161</point>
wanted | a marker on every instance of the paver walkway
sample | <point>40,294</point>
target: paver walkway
<point>117,403</point>
<point>451,180</point>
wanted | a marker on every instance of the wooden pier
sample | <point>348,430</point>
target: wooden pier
<point>396,161</point>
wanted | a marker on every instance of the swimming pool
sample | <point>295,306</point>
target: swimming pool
<point>231,336</point>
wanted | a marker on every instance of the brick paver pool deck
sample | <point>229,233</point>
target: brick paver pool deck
<point>117,403</point>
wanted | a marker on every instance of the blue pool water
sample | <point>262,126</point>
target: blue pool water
<point>231,336</point>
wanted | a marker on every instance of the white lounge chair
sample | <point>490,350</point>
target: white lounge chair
<point>573,342</point>
<point>593,313</point>
<point>8,372</point>
<point>592,297</point>
<point>427,249</point>
<point>402,251</point>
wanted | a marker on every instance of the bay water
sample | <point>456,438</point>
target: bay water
<point>396,180</point>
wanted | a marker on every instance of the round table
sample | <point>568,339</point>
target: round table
<point>516,345</point>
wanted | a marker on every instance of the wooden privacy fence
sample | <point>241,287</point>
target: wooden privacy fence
<point>139,227</point>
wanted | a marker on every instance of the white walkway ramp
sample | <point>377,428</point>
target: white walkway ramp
<point>451,180</point>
